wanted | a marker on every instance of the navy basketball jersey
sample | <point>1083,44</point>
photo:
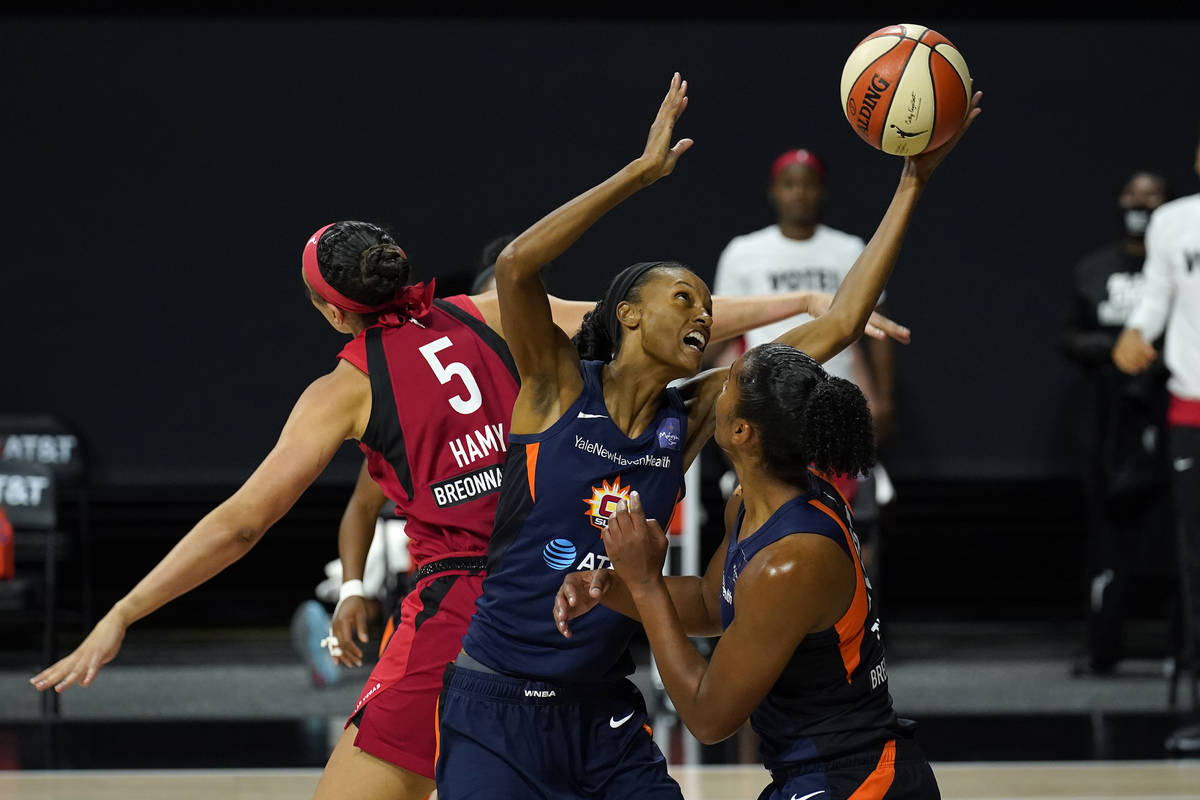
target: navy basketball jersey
<point>559,489</point>
<point>832,698</point>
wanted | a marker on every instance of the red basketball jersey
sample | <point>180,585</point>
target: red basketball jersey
<point>442,394</point>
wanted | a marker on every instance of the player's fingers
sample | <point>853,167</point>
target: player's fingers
<point>47,677</point>
<point>360,621</point>
<point>889,327</point>
<point>599,583</point>
<point>352,653</point>
<point>617,522</point>
<point>67,682</point>
<point>655,529</point>
<point>560,617</point>
<point>92,668</point>
<point>635,507</point>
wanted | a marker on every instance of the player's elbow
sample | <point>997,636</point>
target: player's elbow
<point>713,730</point>
<point>511,263</point>
<point>246,536</point>
<point>845,328</point>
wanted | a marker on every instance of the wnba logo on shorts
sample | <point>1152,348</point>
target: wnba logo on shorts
<point>559,554</point>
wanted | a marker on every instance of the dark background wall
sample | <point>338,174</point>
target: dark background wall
<point>161,175</point>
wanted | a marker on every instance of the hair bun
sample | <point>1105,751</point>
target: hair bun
<point>384,267</point>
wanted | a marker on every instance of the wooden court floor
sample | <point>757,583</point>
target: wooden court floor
<point>1091,780</point>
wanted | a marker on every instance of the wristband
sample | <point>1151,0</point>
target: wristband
<point>351,589</point>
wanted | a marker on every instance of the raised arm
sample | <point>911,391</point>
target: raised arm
<point>733,315</point>
<point>856,297</point>
<point>859,292</point>
<point>545,358</point>
<point>332,409</point>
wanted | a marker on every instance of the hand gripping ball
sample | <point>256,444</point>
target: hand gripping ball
<point>905,89</point>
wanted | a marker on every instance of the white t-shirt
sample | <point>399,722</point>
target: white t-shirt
<point>767,262</point>
<point>1171,295</point>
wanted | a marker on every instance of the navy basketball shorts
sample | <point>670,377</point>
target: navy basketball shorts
<point>895,770</point>
<point>503,737</point>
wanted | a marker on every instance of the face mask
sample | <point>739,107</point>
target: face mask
<point>1136,220</point>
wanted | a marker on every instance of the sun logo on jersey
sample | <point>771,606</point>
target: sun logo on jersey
<point>604,501</point>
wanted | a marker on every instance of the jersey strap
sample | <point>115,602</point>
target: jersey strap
<point>484,332</point>
<point>379,435</point>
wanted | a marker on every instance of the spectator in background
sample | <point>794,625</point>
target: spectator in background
<point>1121,427</point>
<point>799,252</point>
<point>1171,301</point>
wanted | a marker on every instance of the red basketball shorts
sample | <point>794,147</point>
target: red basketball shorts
<point>395,713</point>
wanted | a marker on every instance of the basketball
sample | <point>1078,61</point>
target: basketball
<point>905,89</point>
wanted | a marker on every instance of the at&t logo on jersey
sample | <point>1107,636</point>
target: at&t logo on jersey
<point>604,501</point>
<point>559,554</point>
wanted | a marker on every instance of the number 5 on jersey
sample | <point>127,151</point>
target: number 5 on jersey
<point>446,372</point>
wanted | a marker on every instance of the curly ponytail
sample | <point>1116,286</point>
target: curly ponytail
<point>804,415</point>
<point>838,434</point>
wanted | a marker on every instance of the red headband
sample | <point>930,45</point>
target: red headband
<point>410,301</point>
<point>797,157</point>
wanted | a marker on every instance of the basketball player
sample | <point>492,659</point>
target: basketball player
<point>525,712</point>
<point>426,388</point>
<point>800,652</point>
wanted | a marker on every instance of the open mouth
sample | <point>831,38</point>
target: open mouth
<point>695,340</point>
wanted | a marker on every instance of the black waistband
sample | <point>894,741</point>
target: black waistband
<point>906,749</point>
<point>465,564</point>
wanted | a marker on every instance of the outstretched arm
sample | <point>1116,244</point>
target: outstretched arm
<point>735,315</point>
<point>859,292</point>
<point>856,297</point>
<point>545,358</point>
<point>332,409</point>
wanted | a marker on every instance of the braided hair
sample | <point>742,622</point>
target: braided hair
<point>362,261</point>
